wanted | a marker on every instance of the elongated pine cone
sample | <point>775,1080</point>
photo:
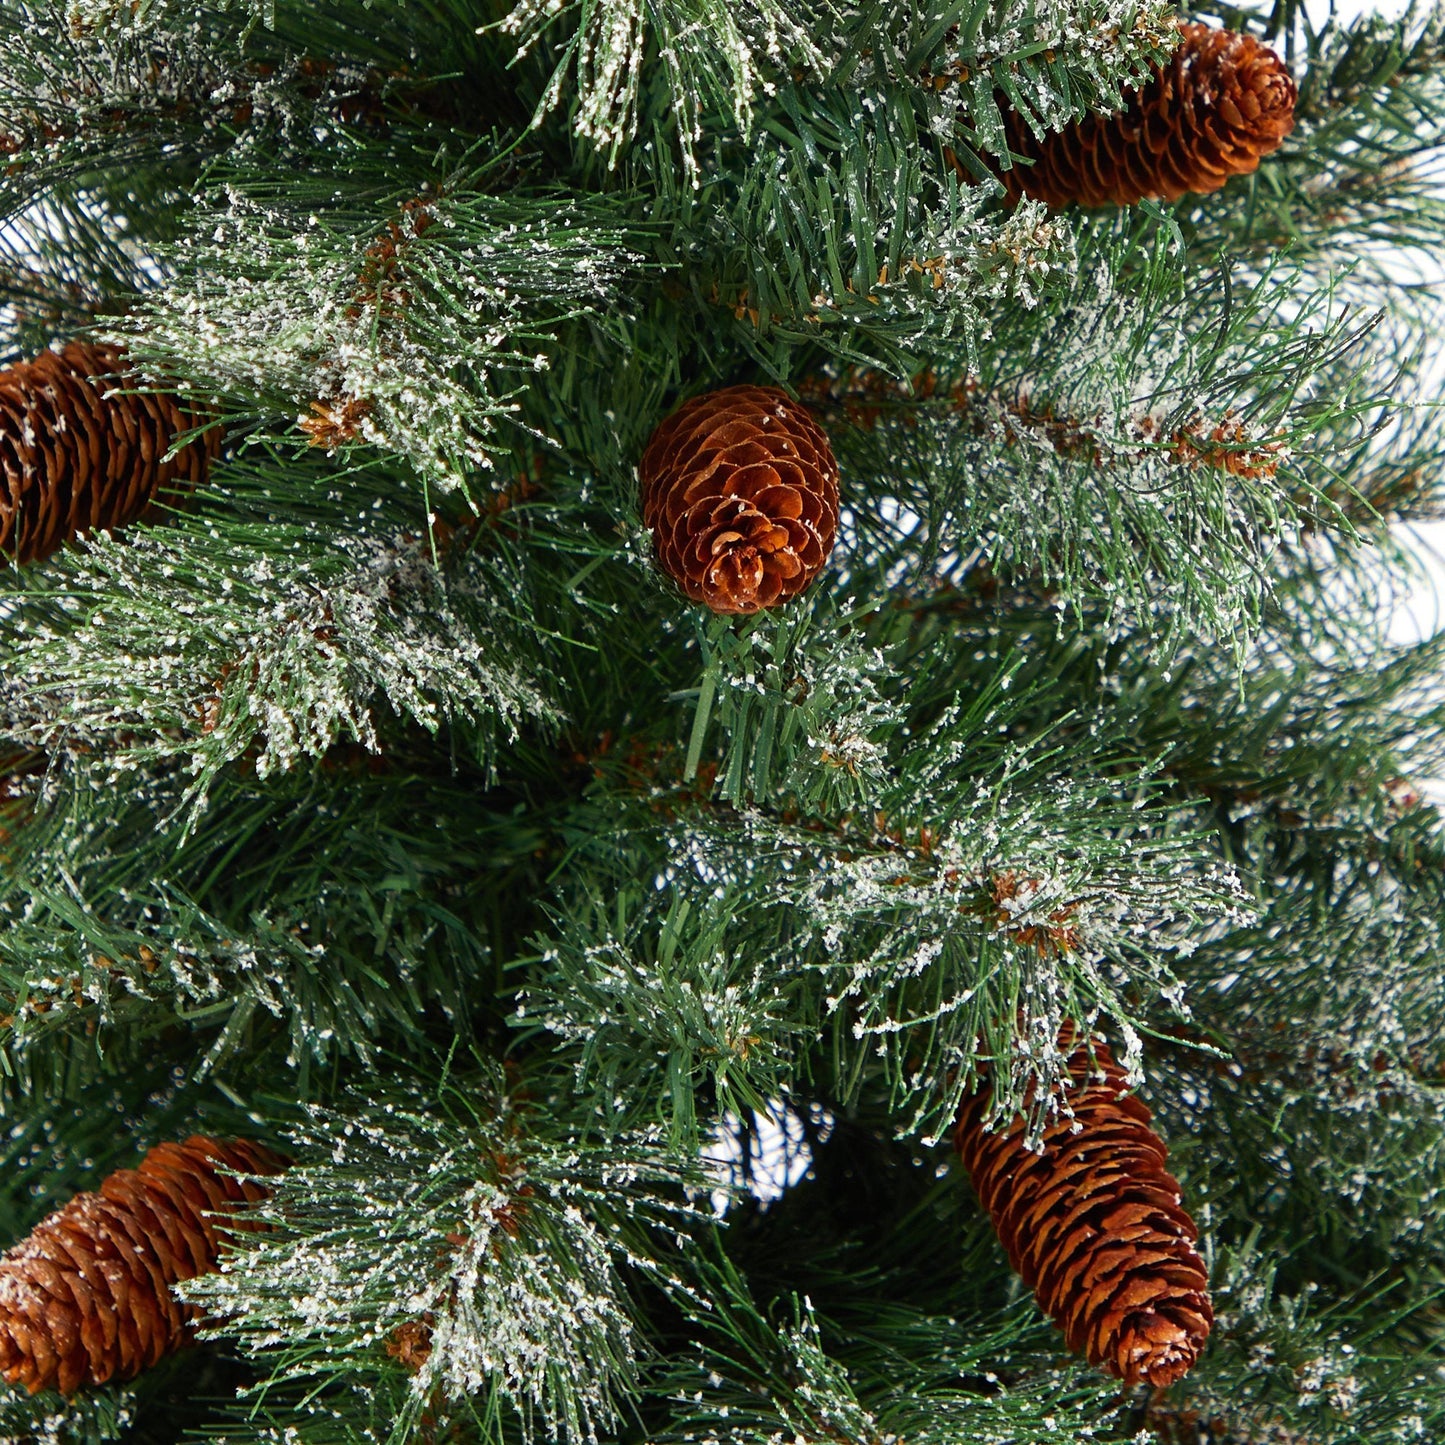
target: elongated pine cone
<point>740,489</point>
<point>1214,110</point>
<point>74,458</point>
<point>1094,1225</point>
<point>86,1297</point>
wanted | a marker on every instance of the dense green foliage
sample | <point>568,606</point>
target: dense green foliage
<point>385,803</point>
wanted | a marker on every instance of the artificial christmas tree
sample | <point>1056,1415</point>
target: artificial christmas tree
<point>716,632</point>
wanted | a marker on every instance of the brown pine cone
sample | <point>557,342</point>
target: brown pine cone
<point>740,489</point>
<point>86,1297</point>
<point>1094,1225</point>
<point>1213,111</point>
<point>74,459</point>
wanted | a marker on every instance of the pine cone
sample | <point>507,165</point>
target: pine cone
<point>74,459</point>
<point>1095,1226</point>
<point>740,489</point>
<point>1213,111</point>
<point>86,1297</point>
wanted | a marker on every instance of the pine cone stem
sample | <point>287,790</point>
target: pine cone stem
<point>1219,105</point>
<point>1094,1224</point>
<point>78,455</point>
<point>86,1297</point>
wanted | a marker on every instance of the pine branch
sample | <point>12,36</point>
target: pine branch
<point>1079,464</point>
<point>518,1241</point>
<point>790,1372</point>
<point>92,90</point>
<point>843,235</point>
<point>978,883</point>
<point>412,330</point>
<point>1282,1365</point>
<point>97,1420</point>
<point>283,930</point>
<point>272,647</point>
<point>706,55</point>
<point>1050,63</point>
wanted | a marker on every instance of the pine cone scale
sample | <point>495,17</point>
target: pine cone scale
<point>131,1232</point>
<point>98,1344</point>
<point>190,1242</point>
<point>33,1343</point>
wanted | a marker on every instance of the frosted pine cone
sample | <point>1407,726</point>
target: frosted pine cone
<point>86,1297</point>
<point>740,489</point>
<point>74,459</point>
<point>1214,110</point>
<point>1094,1225</point>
